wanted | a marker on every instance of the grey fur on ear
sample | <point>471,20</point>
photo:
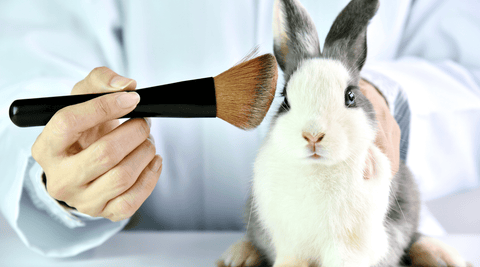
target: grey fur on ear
<point>347,39</point>
<point>294,34</point>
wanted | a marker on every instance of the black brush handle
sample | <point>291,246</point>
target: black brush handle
<point>187,99</point>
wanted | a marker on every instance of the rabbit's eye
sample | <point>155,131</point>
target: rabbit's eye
<point>350,99</point>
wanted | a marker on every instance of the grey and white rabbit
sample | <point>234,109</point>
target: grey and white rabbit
<point>310,204</point>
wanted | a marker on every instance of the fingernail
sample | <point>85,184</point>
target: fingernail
<point>150,138</point>
<point>251,261</point>
<point>127,100</point>
<point>120,82</point>
<point>156,164</point>
<point>441,263</point>
<point>149,122</point>
<point>228,260</point>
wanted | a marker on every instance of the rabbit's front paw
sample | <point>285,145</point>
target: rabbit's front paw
<point>240,254</point>
<point>290,264</point>
<point>428,251</point>
<point>289,261</point>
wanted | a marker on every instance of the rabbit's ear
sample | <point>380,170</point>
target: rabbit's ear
<point>294,35</point>
<point>347,39</point>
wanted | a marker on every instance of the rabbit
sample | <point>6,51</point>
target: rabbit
<point>309,203</point>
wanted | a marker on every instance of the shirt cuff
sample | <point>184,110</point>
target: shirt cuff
<point>389,88</point>
<point>49,229</point>
<point>42,200</point>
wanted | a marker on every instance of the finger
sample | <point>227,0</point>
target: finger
<point>369,171</point>
<point>119,179</point>
<point>388,138</point>
<point>109,150</point>
<point>103,79</point>
<point>93,134</point>
<point>100,80</point>
<point>67,125</point>
<point>125,205</point>
<point>388,134</point>
<point>395,136</point>
<point>107,127</point>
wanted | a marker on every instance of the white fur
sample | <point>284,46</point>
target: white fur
<point>309,206</point>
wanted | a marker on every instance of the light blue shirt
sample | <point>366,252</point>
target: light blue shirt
<point>48,46</point>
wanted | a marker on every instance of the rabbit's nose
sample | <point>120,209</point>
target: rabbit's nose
<point>312,139</point>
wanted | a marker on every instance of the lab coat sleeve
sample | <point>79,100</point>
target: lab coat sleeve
<point>438,66</point>
<point>46,47</point>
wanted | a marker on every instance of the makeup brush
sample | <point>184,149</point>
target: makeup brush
<point>240,96</point>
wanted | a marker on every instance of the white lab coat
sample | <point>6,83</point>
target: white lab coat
<point>430,48</point>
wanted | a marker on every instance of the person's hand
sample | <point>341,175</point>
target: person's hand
<point>388,134</point>
<point>426,251</point>
<point>92,162</point>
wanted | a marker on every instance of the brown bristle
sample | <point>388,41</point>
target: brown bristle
<point>245,92</point>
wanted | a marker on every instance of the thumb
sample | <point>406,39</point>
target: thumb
<point>103,80</point>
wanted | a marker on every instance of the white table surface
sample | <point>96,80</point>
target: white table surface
<point>167,249</point>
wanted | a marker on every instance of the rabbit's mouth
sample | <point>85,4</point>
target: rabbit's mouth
<point>316,157</point>
<point>316,152</point>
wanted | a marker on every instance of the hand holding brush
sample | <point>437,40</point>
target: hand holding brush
<point>107,169</point>
<point>241,96</point>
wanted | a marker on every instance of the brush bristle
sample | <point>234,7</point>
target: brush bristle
<point>245,92</point>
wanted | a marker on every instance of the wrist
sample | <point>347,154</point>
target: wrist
<point>41,200</point>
